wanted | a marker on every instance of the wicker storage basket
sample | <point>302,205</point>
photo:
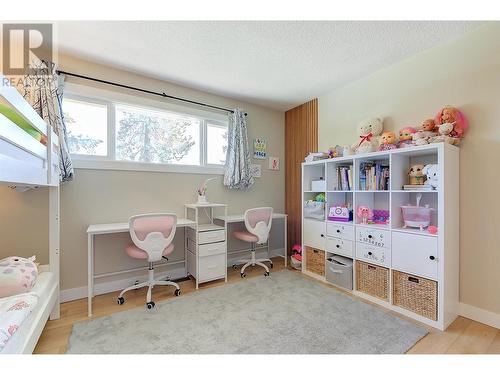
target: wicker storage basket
<point>315,261</point>
<point>372,280</point>
<point>415,293</point>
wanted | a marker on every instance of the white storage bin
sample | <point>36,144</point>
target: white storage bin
<point>374,237</point>
<point>373,254</point>
<point>318,185</point>
<point>338,271</point>
<point>314,210</point>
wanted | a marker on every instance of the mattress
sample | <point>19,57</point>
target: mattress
<point>26,337</point>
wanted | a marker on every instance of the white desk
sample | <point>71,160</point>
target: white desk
<point>240,218</point>
<point>96,229</point>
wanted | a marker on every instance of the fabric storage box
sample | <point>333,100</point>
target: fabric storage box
<point>315,261</point>
<point>338,271</point>
<point>318,185</point>
<point>372,280</point>
<point>415,293</point>
<point>314,210</point>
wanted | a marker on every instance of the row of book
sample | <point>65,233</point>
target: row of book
<point>373,176</point>
<point>344,178</point>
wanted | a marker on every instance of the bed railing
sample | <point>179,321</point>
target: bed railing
<point>24,160</point>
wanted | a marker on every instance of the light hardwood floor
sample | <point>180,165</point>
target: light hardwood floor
<point>463,336</point>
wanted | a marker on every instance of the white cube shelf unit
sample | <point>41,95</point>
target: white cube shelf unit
<point>420,270</point>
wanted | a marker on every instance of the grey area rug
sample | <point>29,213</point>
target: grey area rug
<point>283,313</point>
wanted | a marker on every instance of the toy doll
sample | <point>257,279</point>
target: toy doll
<point>425,133</point>
<point>388,141</point>
<point>406,137</point>
<point>452,115</point>
<point>365,213</point>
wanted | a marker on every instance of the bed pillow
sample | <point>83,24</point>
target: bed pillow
<point>17,275</point>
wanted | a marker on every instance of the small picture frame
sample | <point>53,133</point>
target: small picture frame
<point>274,163</point>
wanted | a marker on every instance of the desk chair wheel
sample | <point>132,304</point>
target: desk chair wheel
<point>266,273</point>
<point>177,292</point>
<point>150,305</point>
<point>120,300</point>
<point>243,274</point>
<point>271,265</point>
<point>235,266</point>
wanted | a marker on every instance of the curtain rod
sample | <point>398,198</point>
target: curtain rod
<point>162,94</point>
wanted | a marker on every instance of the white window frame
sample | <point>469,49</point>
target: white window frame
<point>111,100</point>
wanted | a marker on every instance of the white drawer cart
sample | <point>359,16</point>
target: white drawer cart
<point>418,255</point>
<point>206,242</point>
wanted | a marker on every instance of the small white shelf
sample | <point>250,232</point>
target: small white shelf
<point>371,191</point>
<point>414,191</point>
<point>376,226</point>
<point>414,231</point>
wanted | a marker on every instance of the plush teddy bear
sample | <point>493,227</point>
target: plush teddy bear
<point>432,174</point>
<point>388,141</point>
<point>416,174</point>
<point>425,133</point>
<point>445,130</point>
<point>369,132</point>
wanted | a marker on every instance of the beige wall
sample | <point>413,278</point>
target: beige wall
<point>464,73</point>
<point>98,196</point>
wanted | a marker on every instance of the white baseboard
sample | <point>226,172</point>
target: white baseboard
<point>112,286</point>
<point>479,315</point>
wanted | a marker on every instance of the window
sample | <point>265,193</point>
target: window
<point>86,124</point>
<point>109,135</point>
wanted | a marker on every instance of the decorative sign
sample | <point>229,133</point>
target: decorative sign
<point>274,163</point>
<point>259,148</point>
<point>255,170</point>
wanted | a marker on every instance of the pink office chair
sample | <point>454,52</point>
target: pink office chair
<point>152,236</point>
<point>258,224</point>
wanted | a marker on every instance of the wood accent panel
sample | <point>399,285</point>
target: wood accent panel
<point>301,138</point>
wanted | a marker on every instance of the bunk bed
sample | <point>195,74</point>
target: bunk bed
<point>29,158</point>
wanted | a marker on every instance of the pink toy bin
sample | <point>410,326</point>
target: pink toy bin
<point>416,216</point>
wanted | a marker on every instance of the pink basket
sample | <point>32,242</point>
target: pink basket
<point>417,217</point>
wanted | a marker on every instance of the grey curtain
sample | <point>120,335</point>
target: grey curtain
<point>44,92</point>
<point>237,173</point>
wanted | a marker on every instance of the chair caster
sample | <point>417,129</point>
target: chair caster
<point>235,266</point>
<point>243,274</point>
<point>120,300</point>
<point>271,265</point>
<point>150,305</point>
<point>266,273</point>
<point>177,292</point>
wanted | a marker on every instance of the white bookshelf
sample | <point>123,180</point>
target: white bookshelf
<point>434,257</point>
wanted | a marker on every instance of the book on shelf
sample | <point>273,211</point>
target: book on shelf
<point>344,177</point>
<point>418,187</point>
<point>373,176</point>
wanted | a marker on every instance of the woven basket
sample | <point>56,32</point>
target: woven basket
<point>372,280</point>
<point>415,293</point>
<point>315,261</point>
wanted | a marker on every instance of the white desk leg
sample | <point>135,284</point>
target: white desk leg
<point>286,245</point>
<point>90,257</point>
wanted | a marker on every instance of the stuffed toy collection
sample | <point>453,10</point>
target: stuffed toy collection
<point>448,126</point>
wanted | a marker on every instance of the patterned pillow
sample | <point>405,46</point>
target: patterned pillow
<point>17,275</point>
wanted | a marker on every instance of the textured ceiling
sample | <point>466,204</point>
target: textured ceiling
<point>275,64</point>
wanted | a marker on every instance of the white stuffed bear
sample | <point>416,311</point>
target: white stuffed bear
<point>432,173</point>
<point>369,132</point>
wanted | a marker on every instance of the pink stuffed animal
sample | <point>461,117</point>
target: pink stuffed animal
<point>365,213</point>
<point>17,275</point>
